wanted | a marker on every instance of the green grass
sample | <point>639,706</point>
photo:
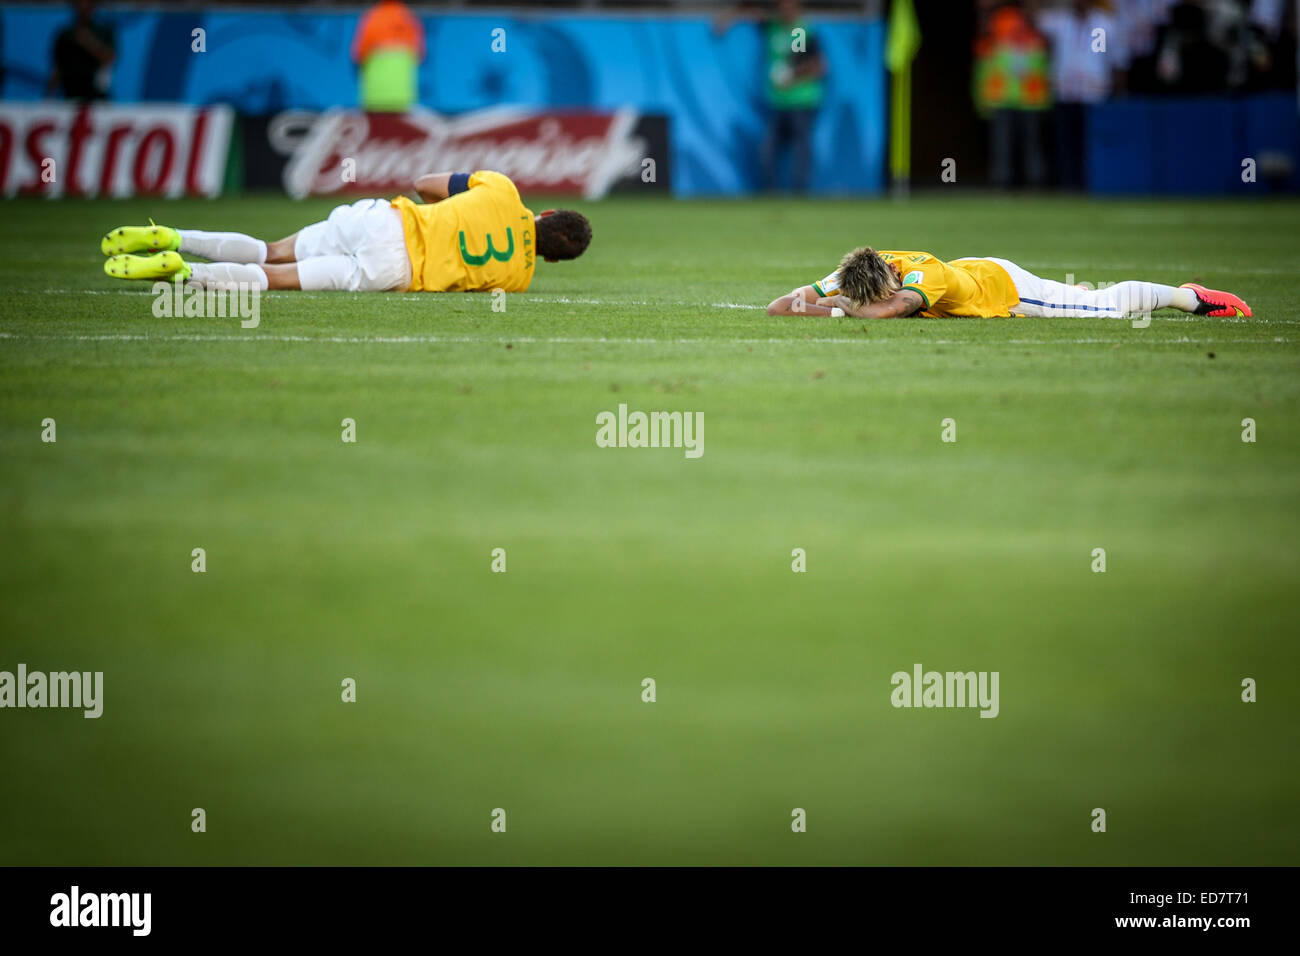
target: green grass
<point>522,691</point>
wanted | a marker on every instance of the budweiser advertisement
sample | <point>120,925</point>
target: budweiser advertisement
<point>344,151</point>
<point>66,149</point>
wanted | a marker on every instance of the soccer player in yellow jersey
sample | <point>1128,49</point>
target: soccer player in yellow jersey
<point>472,233</point>
<point>894,285</point>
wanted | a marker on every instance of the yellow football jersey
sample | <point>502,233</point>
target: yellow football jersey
<point>963,288</point>
<point>481,239</point>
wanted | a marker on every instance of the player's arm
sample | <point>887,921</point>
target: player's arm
<point>900,305</point>
<point>801,301</point>
<point>433,187</point>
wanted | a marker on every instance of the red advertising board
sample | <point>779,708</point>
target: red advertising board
<point>344,151</point>
<point>101,149</point>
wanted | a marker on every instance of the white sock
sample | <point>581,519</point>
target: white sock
<point>1184,299</point>
<point>216,275</point>
<point>1138,298</point>
<point>223,246</point>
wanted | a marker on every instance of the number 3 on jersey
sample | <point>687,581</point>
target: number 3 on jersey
<point>491,253</point>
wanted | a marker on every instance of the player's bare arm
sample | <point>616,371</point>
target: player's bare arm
<point>434,187</point>
<point>901,305</point>
<point>801,301</point>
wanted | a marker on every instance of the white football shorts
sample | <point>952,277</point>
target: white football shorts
<point>359,248</point>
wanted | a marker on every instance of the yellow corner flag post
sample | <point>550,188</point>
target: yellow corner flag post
<point>904,40</point>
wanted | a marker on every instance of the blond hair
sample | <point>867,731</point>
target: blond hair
<point>865,277</point>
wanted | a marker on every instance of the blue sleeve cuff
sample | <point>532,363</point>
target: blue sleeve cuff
<point>458,183</point>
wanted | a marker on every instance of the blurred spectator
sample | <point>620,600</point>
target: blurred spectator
<point>1141,21</point>
<point>83,55</point>
<point>795,87</point>
<point>1012,91</point>
<point>388,48</point>
<point>1239,27</point>
<point>1188,59</point>
<point>1089,57</point>
<point>1274,24</point>
<point>1269,17</point>
<point>794,80</point>
<point>1208,46</point>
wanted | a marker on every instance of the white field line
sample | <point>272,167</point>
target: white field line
<point>589,340</point>
<point>385,297</point>
<point>1080,276</point>
<point>416,297</point>
<point>563,300</point>
<point>541,299</point>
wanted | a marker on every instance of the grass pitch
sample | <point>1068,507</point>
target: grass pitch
<point>522,690</point>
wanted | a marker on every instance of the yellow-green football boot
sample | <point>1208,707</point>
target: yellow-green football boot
<point>162,265</point>
<point>150,238</point>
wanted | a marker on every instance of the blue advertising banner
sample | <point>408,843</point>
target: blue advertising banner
<point>708,83</point>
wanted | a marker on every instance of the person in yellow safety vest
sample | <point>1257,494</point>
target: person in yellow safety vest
<point>388,48</point>
<point>1013,91</point>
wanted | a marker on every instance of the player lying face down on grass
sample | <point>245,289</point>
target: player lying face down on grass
<point>896,285</point>
<point>471,234</point>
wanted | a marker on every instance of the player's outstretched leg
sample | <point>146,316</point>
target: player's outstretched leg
<point>1047,297</point>
<point>223,275</point>
<point>222,246</point>
<point>212,275</point>
<point>1133,297</point>
<point>1142,298</point>
<point>218,275</point>
<point>217,246</point>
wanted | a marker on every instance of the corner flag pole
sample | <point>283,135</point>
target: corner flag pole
<point>904,40</point>
<point>900,133</point>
